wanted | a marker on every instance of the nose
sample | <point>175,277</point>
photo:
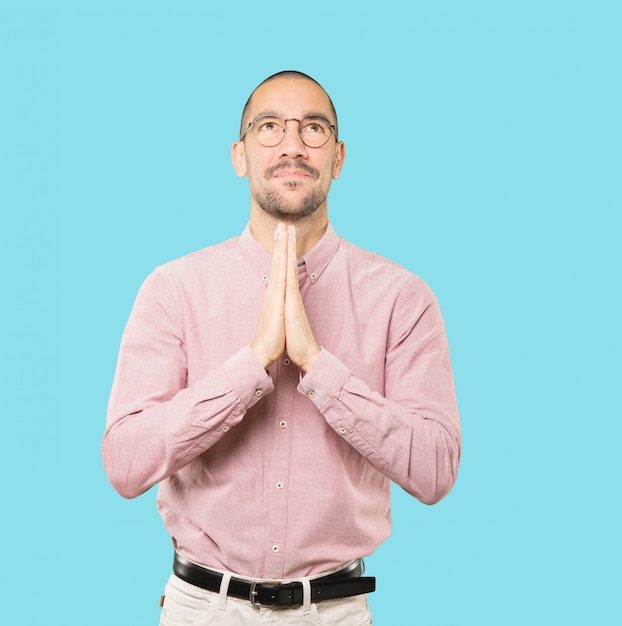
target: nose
<point>292,145</point>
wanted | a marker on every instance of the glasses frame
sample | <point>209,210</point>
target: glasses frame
<point>332,127</point>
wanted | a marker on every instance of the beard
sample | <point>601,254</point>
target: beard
<point>279,206</point>
<point>274,204</point>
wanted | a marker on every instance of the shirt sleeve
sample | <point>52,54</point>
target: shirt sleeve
<point>156,424</point>
<point>411,431</point>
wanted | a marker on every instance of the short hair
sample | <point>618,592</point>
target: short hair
<point>287,74</point>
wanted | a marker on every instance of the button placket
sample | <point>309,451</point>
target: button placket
<point>278,465</point>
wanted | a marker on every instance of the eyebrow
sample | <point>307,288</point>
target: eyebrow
<point>311,114</point>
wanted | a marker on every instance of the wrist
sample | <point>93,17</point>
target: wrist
<point>265,361</point>
<point>310,360</point>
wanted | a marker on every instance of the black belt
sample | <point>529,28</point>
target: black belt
<point>342,584</point>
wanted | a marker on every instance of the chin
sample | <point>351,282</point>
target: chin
<point>281,209</point>
<point>291,215</point>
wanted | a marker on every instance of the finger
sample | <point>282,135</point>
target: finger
<point>269,339</point>
<point>300,343</point>
<point>279,228</point>
<point>292,261</point>
<point>278,268</point>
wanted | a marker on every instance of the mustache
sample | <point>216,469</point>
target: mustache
<point>292,164</point>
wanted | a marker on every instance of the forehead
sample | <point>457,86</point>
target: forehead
<point>290,98</point>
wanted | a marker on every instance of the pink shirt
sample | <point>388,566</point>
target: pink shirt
<point>274,474</point>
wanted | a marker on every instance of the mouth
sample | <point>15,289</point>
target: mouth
<point>292,169</point>
<point>291,174</point>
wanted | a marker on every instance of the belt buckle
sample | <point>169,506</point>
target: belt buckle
<point>274,588</point>
<point>252,595</point>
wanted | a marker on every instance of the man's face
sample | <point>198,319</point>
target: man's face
<point>288,181</point>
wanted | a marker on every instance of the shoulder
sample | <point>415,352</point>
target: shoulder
<point>184,272</point>
<point>370,271</point>
<point>367,262</point>
<point>221,252</point>
<point>213,258</point>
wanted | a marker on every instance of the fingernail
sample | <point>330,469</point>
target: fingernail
<point>278,230</point>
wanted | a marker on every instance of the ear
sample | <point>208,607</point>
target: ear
<point>340,157</point>
<point>238,158</point>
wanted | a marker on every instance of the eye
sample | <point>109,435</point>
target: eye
<point>315,128</point>
<point>318,127</point>
<point>268,125</point>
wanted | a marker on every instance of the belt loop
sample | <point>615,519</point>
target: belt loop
<point>224,589</point>
<point>306,596</point>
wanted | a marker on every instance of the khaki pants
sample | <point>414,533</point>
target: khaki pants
<point>187,605</point>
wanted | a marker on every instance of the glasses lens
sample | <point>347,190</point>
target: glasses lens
<point>315,131</point>
<point>268,130</point>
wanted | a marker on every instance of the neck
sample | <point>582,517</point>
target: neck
<point>308,230</point>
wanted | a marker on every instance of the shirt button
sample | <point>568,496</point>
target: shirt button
<point>280,485</point>
<point>258,392</point>
<point>225,429</point>
<point>343,431</point>
<point>275,548</point>
<point>264,278</point>
<point>283,424</point>
<point>286,362</point>
<point>313,276</point>
<point>311,393</point>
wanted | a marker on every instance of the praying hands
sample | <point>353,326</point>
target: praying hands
<point>283,324</point>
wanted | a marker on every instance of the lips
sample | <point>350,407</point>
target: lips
<point>292,169</point>
<point>291,174</point>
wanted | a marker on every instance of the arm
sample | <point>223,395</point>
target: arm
<point>410,432</point>
<point>155,423</point>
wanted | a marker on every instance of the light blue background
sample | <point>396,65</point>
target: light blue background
<point>484,153</point>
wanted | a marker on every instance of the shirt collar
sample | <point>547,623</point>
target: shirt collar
<point>316,260</point>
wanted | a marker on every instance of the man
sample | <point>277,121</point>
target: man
<point>274,385</point>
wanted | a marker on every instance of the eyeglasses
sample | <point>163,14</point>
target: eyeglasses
<point>269,130</point>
